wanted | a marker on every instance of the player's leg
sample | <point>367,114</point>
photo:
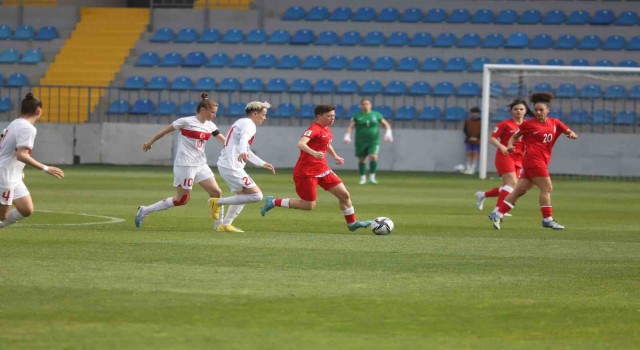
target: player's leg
<point>246,195</point>
<point>469,157</point>
<point>362,151</point>
<point>20,198</point>
<point>306,190</point>
<point>373,162</point>
<point>546,187</point>
<point>509,181</point>
<point>334,185</point>
<point>475,151</point>
<point>183,178</point>
<point>523,185</point>
<point>210,185</point>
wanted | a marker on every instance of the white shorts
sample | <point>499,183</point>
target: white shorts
<point>186,176</point>
<point>8,194</point>
<point>237,179</point>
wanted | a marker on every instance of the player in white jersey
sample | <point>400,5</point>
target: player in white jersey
<point>236,152</point>
<point>16,144</point>
<point>190,164</point>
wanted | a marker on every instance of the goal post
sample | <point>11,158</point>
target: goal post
<point>587,95</point>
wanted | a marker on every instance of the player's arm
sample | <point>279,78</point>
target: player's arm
<point>347,135</point>
<point>388,134</point>
<point>494,141</point>
<point>332,152</point>
<point>570,134</point>
<point>253,158</point>
<point>166,130</point>
<point>304,147</point>
<point>512,140</point>
<point>219,136</point>
<point>23,155</point>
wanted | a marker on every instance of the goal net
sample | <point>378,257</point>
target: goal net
<point>602,104</point>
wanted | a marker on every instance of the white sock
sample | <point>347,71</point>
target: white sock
<point>241,198</point>
<point>218,222</point>
<point>14,216</point>
<point>549,219</point>
<point>285,202</point>
<point>363,178</point>
<point>232,212</point>
<point>473,168</point>
<point>372,176</point>
<point>161,205</point>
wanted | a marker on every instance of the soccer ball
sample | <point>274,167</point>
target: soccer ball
<point>382,226</point>
<point>459,168</point>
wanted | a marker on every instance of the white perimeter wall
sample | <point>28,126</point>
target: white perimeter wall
<point>413,150</point>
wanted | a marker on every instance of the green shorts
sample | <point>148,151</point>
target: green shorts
<point>365,149</point>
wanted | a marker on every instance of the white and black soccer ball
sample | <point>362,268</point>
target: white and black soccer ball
<point>382,226</point>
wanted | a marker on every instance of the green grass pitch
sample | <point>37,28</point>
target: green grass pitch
<point>299,280</point>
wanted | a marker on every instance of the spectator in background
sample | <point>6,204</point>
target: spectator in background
<point>472,140</point>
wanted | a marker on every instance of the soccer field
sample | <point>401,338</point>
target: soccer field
<point>300,280</point>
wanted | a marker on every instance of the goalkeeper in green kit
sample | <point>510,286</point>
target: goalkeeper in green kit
<point>367,125</point>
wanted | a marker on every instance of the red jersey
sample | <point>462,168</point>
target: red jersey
<point>319,139</point>
<point>538,139</point>
<point>503,132</point>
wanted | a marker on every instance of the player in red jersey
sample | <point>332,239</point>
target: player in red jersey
<point>312,170</point>
<point>507,164</point>
<point>538,136</point>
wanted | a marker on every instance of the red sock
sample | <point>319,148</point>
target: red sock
<point>504,192</point>
<point>492,192</point>
<point>505,207</point>
<point>546,211</point>
<point>277,202</point>
<point>349,215</point>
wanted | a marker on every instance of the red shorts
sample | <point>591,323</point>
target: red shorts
<point>506,164</point>
<point>529,173</point>
<point>306,185</point>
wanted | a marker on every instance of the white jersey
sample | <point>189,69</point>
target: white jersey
<point>239,140</point>
<point>19,134</point>
<point>193,136</point>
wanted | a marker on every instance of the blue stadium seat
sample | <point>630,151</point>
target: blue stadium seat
<point>445,40</point>
<point>360,62</point>
<point>182,83</point>
<point>421,39</point>
<point>419,88</point>
<point>195,59</point>
<point>395,87</point>
<point>388,14</point>
<point>604,63</point>
<point>373,39</point>
<point>406,113</point>
<point>482,16</point>
<point>324,86</point>
<point>408,64</point>
<point>454,114</point>
<point>276,85</point>
<point>566,42</point>
<point>364,14</point>
<point>341,14</point>
<point>256,36</point>
<point>241,60</point>
<point>627,18</point>
<point>502,113</point>
<point>162,35</point>
<point>349,86</point>
<point>494,40</point>
<point>350,38</point>
<point>142,107</point>
<point>188,108</point>
<point>47,33</point>
<point>306,111</point>
<point>432,64</point>
<point>236,109</point>
<point>443,88</point>
<point>232,36</point>
<point>411,15</point>
<point>555,62</point>
<point>590,42</point>
<point>354,109</point>
<point>541,42</point>
<point>371,87</point>
<point>158,83</point>
<point>266,60</point>
<point>517,90</point>
<point>615,91</point>
<point>171,59</point>
<point>328,37</point>
<point>5,104</point>
<point>186,35</point>
<point>626,118</point>
<point>279,37</point>
<point>313,62</point>
<point>9,56</point>
<point>531,61</point>
<point>456,64</point>
<point>496,89</point>
<point>578,17</point>
<point>614,42</point>
<point>293,13</point>
<point>397,39</point>
<point>317,13</point>
<point>118,107</point>
<point>506,16</point>
<point>341,112</point>
<point>554,17</point>
<point>229,84</point>
<point>300,86</point>
<point>430,113</point>
<point>635,92</point>
<point>289,61</point>
<point>17,80</point>
<point>134,83</point>
<point>634,44</point>
<point>591,91</point>
<point>603,17</point>
<point>336,62</point>
<point>579,116</point>
<point>602,116</point>
<point>542,87</point>
<point>252,85</point>
<point>556,112</point>
<point>218,60</point>
<point>628,63</point>
<point>530,17</point>
<point>24,33</point>
<point>303,37</point>
<point>285,110</point>
<point>469,89</point>
<point>210,35</point>
<point>5,32</point>
<point>204,84</point>
<point>459,16</point>
<point>470,40</point>
<point>517,41</point>
<point>384,63</point>
<point>386,111</point>
<point>506,60</point>
<point>579,62</point>
<point>436,15</point>
<point>478,64</point>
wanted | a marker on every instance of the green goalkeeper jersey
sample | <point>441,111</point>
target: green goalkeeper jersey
<point>367,127</point>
